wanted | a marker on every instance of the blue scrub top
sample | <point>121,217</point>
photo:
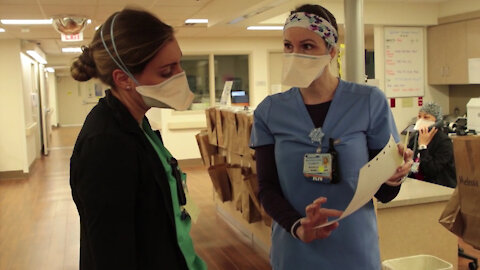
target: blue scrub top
<point>361,119</point>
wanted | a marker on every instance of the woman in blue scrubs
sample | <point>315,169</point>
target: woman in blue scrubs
<point>328,121</point>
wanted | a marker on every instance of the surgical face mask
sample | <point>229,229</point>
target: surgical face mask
<point>300,70</point>
<point>423,123</point>
<point>173,93</point>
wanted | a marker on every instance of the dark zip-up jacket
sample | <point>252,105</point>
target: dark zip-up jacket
<point>436,162</point>
<point>122,195</point>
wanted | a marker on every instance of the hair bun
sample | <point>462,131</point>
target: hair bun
<point>84,68</point>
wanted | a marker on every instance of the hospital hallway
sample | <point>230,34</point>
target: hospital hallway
<point>39,223</point>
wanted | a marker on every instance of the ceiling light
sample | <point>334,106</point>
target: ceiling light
<point>2,30</point>
<point>72,50</point>
<point>266,27</point>
<point>196,21</point>
<point>37,56</point>
<point>26,22</point>
<point>35,52</point>
<point>50,69</point>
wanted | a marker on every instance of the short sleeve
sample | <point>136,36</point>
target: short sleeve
<point>381,124</point>
<point>261,134</point>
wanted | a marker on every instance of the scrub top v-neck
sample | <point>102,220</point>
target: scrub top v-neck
<point>182,226</point>
<point>359,119</point>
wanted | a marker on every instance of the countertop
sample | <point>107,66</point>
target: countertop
<point>415,192</point>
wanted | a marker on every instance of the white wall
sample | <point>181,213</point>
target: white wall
<point>12,137</point>
<point>75,100</point>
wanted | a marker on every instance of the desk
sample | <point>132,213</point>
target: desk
<point>408,225</point>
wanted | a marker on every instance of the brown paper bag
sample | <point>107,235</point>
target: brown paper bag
<point>221,183</point>
<point>249,131</point>
<point>219,124</point>
<point>207,150</point>
<point>229,126</point>
<point>451,218</point>
<point>236,180</point>
<point>211,125</point>
<point>251,184</point>
<point>466,201</point>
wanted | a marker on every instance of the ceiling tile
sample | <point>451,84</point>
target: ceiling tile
<point>20,12</point>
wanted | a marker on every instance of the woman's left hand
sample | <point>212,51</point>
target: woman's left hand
<point>402,171</point>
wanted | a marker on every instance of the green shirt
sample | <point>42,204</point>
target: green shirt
<point>194,262</point>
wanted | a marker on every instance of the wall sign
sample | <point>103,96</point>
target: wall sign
<point>404,61</point>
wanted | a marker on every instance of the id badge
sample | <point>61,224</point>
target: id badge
<point>318,166</point>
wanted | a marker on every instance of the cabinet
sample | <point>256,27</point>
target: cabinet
<point>447,54</point>
<point>473,38</point>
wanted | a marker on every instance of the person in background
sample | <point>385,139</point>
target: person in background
<point>127,187</point>
<point>347,124</point>
<point>432,148</point>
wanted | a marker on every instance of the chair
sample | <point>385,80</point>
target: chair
<point>473,265</point>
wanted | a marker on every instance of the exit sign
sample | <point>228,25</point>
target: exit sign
<point>71,38</point>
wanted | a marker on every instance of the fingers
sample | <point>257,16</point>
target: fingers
<point>408,155</point>
<point>321,216</point>
<point>322,233</point>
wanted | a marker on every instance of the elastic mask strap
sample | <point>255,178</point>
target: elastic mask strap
<point>121,65</point>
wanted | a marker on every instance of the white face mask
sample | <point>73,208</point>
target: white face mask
<point>300,70</point>
<point>423,123</point>
<point>173,93</point>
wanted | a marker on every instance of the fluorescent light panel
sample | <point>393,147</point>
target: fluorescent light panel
<point>37,57</point>
<point>265,27</point>
<point>26,22</point>
<point>72,50</point>
<point>196,21</point>
<point>50,69</point>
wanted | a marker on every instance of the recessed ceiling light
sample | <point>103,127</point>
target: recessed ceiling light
<point>26,22</point>
<point>2,30</point>
<point>266,27</point>
<point>72,50</point>
<point>196,21</point>
<point>35,55</point>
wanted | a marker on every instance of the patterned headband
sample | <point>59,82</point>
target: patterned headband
<point>314,23</point>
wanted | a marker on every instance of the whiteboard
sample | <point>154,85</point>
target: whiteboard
<point>404,61</point>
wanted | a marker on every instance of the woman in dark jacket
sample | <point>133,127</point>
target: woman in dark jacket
<point>127,187</point>
<point>433,149</point>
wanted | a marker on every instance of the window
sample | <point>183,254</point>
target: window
<point>226,68</point>
<point>232,68</point>
<point>196,68</point>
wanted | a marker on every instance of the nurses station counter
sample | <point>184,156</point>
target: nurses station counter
<point>408,225</point>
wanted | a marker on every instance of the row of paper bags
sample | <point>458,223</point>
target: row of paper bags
<point>233,176</point>
<point>229,129</point>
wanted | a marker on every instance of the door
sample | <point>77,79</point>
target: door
<point>45,110</point>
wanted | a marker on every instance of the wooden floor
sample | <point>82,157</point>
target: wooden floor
<point>39,224</point>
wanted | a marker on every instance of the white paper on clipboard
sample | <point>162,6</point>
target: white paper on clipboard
<point>372,175</point>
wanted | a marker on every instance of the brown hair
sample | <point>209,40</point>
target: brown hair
<point>319,11</point>
<point>138,36</point>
